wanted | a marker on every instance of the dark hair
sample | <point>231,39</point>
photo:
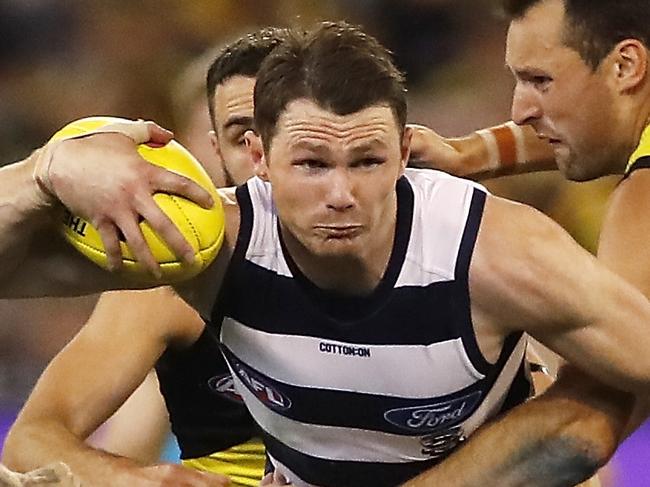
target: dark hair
<point>242,57</point>
<point>336,65</point>
<point>594,27</point>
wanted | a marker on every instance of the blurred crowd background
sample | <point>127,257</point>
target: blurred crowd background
<point>146,59</point>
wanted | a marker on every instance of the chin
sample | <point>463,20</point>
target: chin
<point>337,248</point>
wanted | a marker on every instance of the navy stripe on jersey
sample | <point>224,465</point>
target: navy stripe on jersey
<point>416,325</point>
<point>520,389</point>
<point>339,473</point>
<point>353,409</point>
<point>301,316</point>
<point>351,308</point>
<point>205,414</point>
<point>640,163</point>
<point>245,222</point>
<point>461,302</point>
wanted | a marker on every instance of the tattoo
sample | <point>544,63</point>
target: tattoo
<point>558,462</point>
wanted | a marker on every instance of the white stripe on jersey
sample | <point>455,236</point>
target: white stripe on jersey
<point>325,442</point>
<point>363,445</point>
<point>434,243</point>
<point>264,248</point>
<point>320,363</point>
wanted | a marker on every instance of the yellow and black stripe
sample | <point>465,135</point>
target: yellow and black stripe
<point>243,463</point>
<point>640,158</point>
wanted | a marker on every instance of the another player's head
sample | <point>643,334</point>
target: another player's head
<point>230,83</point>
<point>581,70</point>
<point>330,112</point>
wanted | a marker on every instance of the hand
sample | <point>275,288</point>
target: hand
<point>173,475</point>
<point>55,475</point>
<point>274,479</point>
<point>432,151</point>
<point>103,179</point>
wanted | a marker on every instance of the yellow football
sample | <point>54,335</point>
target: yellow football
<point>203,229</point>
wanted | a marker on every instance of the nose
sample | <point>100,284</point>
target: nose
<point>525,105</point>
<point>341,191</point>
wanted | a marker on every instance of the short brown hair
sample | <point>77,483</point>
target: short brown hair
<point>594,27</point>
<point>242,57</point>
<point>336,65</point>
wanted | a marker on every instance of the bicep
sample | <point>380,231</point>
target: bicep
<point>529,275</point>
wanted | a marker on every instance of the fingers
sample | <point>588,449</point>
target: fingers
<point>177,475</point>
<point>274,479</point>
<point>158,136</point>
<point>139,131</point>
<point>169,182</point>
<point>165,228</point>
<point>138,245</point>
<point>109,235</point>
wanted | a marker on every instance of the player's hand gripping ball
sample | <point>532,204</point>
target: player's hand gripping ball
<point>203,229</point>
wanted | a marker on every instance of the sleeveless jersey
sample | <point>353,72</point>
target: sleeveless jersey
<point>214,430</point>
<point>640,158</point>
<point>365,390</point>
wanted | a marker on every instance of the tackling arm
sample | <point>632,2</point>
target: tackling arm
<point>557,439</point>
<point>111,196</point>
<point>551,288</point>
<point>502,150</point>
<point>91,378</point>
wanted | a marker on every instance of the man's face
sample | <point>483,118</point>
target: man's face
<point>334,176</point>
<point>556,92</point>
<point>233,109</point>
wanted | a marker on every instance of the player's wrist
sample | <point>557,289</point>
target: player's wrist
<point>504,148</point>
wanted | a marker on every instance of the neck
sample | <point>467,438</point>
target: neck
<point>643,119</point>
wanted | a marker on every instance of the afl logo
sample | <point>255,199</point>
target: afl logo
<point>433,417</point>
<point>224,385</point>
<point>262,387</point>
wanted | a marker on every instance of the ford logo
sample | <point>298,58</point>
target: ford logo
<point>433,417</point>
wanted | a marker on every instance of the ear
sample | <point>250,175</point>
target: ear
<point>630,63</point>
<point>256,149</point>
<point>405,148</point>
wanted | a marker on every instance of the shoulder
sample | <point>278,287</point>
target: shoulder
<point>517,248</point>
<point>159,313</point>
<point>623,238</point>
<point>628,213</point>
<point>423,179</point>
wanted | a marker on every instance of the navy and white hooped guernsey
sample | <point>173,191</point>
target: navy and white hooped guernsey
<point>354,391</point>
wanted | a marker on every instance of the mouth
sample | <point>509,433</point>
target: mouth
<point>339,231</point>
<point>551,140</point>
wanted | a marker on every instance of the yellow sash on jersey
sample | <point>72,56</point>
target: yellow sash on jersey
<point>244,463</point>
<point>642,150</point>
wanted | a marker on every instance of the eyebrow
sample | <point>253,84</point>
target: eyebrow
<point>318,147</point>
<point>238,120</point>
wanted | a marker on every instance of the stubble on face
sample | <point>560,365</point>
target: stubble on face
<point>333,179</point>
<point>569,103</point>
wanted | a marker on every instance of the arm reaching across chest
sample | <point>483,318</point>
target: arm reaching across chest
<point>528,275</point>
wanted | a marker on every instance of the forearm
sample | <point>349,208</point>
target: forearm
<point>24,208</point>
<point>558,439</point>
<point>34,445</point>
<point>504,150</point>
